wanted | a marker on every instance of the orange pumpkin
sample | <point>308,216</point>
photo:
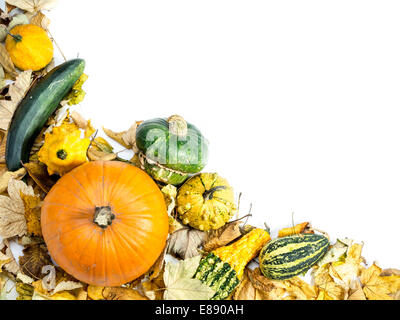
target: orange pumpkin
<point>105,223</point>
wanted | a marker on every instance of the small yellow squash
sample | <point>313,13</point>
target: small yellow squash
<point>30,47</point>
<point>206,201</point>
<point>63,149</point>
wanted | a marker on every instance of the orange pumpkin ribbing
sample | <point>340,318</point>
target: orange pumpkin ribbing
<point>115,254</point>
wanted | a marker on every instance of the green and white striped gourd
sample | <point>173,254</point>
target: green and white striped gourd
<point>287,257</point>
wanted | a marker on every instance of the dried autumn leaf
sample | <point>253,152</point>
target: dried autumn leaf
<point>170,192</point>
<point>34,5</point>
<point>356,291</point>
<point>3,286</point>
<point>16,93</point>
<point>12,210</point>
<point>102,145</point>
<point>378,287</point>
<point>345,272</point>
<point>40,20</point>
<point>24,291</point>
<point>222,236</point>
<point>11,266</point>
<point>328,289</point>
<point>4,259</point>
<point>24,278</point>
<point>126,138</point>
<point>129,136</point>
<point>300,290</point>
<point>82,123</point>
<point>78,119</point>
<point>3,35</point>
<point>33,260</point>
<point>3,143</point>
<point>115,293</point>
<point>6,62</point>
<point>271,289</point>
<point>247,291</point>
<point>57,285</point>
<point>96,155</point>
<point>297,229</point>
<point>331,291</point>
<point>38,172</point>
<point>336,252</point>
<point>116,136</point>
<point>8,175</point>
<point>95,292</point>
<point>77,94</point>
<point>63,295</point>
<point>66,285</point>
<point>390,272</point>
<point>32,205</point>
<point>179,282</point>
<point>154,288</point>
<point>185,242</point>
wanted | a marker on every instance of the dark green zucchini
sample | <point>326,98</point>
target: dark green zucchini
<point>35,109</point>
<point>173,149</point>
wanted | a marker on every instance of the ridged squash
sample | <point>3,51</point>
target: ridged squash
<point>63,149</point>
<point>287,257</point>
<point>172,149</point>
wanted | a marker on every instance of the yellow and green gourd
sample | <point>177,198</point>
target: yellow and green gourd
<point>287,257</point>
<point>206,201</point>
<point>223,268</point>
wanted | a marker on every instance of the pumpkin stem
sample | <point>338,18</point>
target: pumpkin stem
<point>177,125</point>
<point>17,37</point>
<point>103,216</point>
<point>208,194</point>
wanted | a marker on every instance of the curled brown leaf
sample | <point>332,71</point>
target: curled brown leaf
<point>222,236</point>
<point>33,260</point>
<point>185,242</point>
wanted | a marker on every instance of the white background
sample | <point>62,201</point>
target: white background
<point>299,99</point>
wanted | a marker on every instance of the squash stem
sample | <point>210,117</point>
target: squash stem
<point>177,126</point>
<point>103,216</point>
<point>62,154</point>
<point>209,194</point>
<point>17,37</point>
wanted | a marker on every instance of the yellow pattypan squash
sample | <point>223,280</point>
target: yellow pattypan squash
<point>64,149</point>
<point>30,47</point>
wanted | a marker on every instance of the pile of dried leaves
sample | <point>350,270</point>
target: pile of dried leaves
<point>341,275</point>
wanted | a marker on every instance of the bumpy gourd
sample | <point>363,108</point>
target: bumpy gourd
<point>286,257</point>
<point>30,47</point>
<point>206,201</point>
<point>171,149</point>
<point>63,149</point>
<point>223,268</point>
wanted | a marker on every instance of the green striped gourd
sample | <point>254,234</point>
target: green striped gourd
<point>286,257</point>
